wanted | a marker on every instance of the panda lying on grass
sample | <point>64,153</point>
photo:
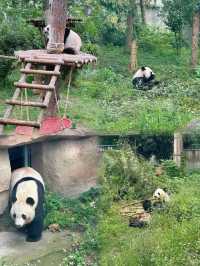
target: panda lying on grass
<point>144,78</point>
<point>72,41</point>
<point>26,202</point>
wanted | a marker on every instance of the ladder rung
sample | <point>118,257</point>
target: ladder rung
<point>22,103</point>
<point>40,72</point>
<point>19,122</point>
<point>44,61</point>
<point>24,85</point>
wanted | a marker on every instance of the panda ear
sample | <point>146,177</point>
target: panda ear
<point>14,199</point>
<point>30,201</point>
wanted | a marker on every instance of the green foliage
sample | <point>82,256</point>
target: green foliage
<point>79,257</point>
<point>125,175</point>
<point>197,71</point>
<point>153,40</point>
<point>76,214</point>
<point>185,205</point>
<point>91,48</point>
<point>171,239</point>
<point>173,10</point>
<point>15,32</point>
<point>75,258</point>
<point>171,169</point>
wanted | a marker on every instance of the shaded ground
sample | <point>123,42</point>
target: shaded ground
<point>51,250</point>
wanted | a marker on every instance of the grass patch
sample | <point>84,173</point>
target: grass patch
<point>172,238</point>
<point>105,100</point>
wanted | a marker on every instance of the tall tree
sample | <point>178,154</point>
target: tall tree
<point>131,34</point>
<point>57,20</point>
<point>195,37</point>
<point>143,11</point>
<point>173,12</point>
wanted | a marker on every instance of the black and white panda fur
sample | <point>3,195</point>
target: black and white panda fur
<point>26,202</point>
<point>72,41</point>
<point>143,76</point>
<point>159,200</point>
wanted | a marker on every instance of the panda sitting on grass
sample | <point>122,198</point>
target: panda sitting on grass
<point>159,200</point>
<point>144,78</point>
<point>26,202</point>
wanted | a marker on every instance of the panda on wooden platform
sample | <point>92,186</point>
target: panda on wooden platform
<point>72,41</point>
<point>26,202</point>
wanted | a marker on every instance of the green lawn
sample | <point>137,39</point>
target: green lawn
<point>104,99</point>
<point>165,242</point>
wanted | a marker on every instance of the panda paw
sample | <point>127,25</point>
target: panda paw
<point>33,239</point>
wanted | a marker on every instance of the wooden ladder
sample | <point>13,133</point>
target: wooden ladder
<point>49,91</point>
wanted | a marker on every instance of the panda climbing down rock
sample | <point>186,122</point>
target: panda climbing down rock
<point>143,77</point>
<point>26,202</point>
<point>72,41</point>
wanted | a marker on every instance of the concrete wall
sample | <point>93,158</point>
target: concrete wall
<point>5,175</point>
<point>68,166</point>
<point>192,158</point>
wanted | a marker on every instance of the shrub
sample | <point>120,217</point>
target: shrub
<point>125,175</point>
<point>154,40</point>
<point>171,169</point>
<point>72,213</point>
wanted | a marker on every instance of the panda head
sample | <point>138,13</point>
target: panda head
<point>23,213</point>
<point>46,31</point>
<point>161,195</point>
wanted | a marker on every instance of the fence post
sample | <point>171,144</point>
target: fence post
<point>178,148</point>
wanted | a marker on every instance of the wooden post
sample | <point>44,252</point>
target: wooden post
<point>178,148</point>
<point>133,63</point>
<point>57,20</point>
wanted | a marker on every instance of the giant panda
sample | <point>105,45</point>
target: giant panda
<point>72,41</point>
<point>159,200</point>
<point>161,195</point>
<point>26,202</point>
<point>143,76</point>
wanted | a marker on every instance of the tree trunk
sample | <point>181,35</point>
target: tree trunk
<point>195,39</point>
<point>57,20</point>
<point>129,30</point>
<point>143,13</point>
<point>133,60</point>
<point>131,35</point>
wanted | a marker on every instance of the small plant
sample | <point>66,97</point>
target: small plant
<point>72,213</point>
<point>91,48</point>
<point>171,169</point>
<point>197,71</point>
<point>75,258</point>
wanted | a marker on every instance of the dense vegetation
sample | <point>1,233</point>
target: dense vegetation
<point>103,98</point>
<point>172,238</point>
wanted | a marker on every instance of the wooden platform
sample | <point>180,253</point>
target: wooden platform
<point>67,59</point>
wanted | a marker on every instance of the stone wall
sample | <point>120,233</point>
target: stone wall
<point>5,175</point>
<point>68,166</point>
